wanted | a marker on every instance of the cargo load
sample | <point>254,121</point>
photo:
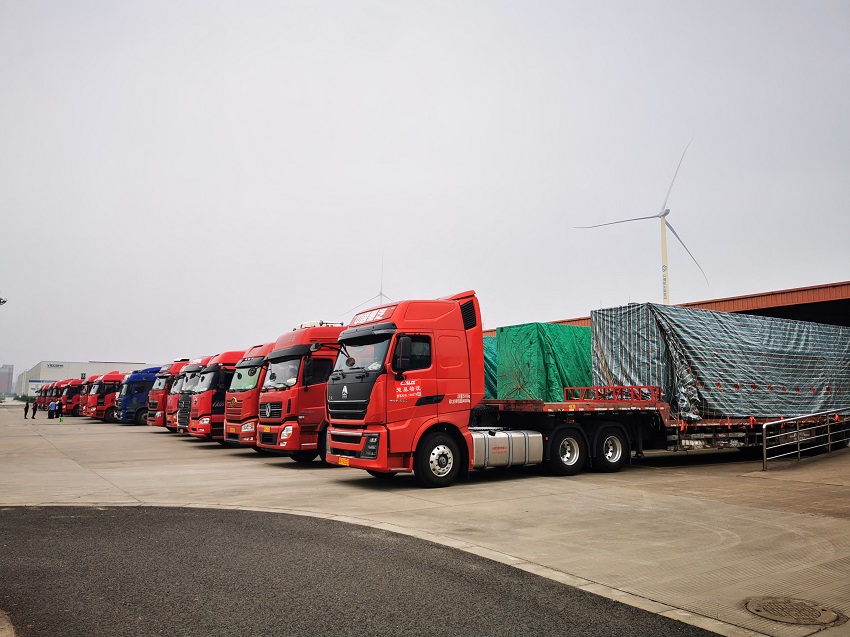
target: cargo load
<point>713,365</point>
<point>490,350</point>
<point>535,361</point>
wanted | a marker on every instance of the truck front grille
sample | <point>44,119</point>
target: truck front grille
<point>184,404</point>
<point>233,411</point>
<point>348,410</point>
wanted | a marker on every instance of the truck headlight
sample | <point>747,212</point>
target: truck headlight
<point>286,432</point>
<point>370,447</point>
<point>204,421</point>
<point>159,414</point>
<point>248,426</point>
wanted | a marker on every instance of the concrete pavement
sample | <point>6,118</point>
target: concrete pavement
<point>688,540</point>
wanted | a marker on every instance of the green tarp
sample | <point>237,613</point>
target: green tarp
<point>536,361</point>
<point>713,365</point>
<point>490,349</point>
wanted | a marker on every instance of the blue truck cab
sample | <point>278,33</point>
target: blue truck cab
<point>131,404</point>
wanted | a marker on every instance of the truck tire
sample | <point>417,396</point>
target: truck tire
<point>76,411</point>
<point>171,429</point>
<point>323,446</point>
<point>142,417</point>
<point>304,457</point>
<point>381,475</point>
<point>612,451</point>
<point>109,416</point>
<point>437,460</point>
<point>567,452</point>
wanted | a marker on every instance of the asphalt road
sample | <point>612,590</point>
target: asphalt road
<point>176,571</point>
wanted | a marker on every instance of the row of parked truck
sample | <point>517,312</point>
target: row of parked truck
<point>401,389</point>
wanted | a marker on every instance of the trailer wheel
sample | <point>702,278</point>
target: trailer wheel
<point>381,475</point>
<point>304,457</point>
<point>109,416</point>
<point>612,452</point>
<point>567,452</point>
<point>142,417</point>
<point>437,460</point>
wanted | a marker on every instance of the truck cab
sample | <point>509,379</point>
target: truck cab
<point>103,394</point>
<point>243,396</point>
<point>191,376</point>
<point>71,397</point>
<point>86,395</point>
<point>292,400</point>
<point>207,412</point>
<point>158,394</point>
<point>131,404</point>
<point>404,383</point>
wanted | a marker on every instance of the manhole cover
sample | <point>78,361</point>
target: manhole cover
<point>794,611</point>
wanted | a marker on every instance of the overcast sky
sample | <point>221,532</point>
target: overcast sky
<point>179,178</point>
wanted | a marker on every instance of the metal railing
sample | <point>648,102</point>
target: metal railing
<point>820,430</point>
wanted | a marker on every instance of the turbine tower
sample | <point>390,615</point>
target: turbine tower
<point>662,215</point>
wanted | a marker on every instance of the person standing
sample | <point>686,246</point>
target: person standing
<point>51,409</point>
<point>34,408</point>
<point>26,408</point>
<point>59,408</point>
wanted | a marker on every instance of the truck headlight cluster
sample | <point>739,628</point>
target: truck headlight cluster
<point>286,432</point>
<point>370,449</point>
<point>248,426</point>
<point>204,421</point>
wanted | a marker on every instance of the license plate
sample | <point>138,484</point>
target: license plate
<point>233,430</point>
<point>267,430</point>
<point>344,462</point>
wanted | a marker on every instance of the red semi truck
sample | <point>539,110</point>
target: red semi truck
<point>102,396</point>
<point>407,395</point>
<point>71,397</point>
<point>243,396</point>
<point>85,394</point>
<point>158,394</point>
<point>184,388</point>
<point>207,413</point>
<point>292,401</point>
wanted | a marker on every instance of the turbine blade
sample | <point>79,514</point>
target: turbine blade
<point>675,234</point>
<point>670,189</point>
<point>611,223</point>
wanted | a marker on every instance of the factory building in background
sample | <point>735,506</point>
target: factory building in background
<point>7,377</point>
<point>49,371</point>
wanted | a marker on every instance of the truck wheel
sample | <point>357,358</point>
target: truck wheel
<point>437,460</point>
<point>109,416</point>
<point>566,452</point>
<point>76,411</point>
<point>304,457</point>
<point>142,417</point>
<point>171,429</point>
<point>611,451</point>
<point>381,475</point>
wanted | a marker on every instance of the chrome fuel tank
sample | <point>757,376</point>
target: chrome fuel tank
<point>492,448</point>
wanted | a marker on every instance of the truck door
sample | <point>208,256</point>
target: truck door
<point>412,392</point>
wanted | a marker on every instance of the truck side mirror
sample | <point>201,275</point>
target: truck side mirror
<point>401,359</point>
<point>315,347</point>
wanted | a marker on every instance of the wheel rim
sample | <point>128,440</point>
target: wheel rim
<point>441,460</point>
<point>568,450</point>
<point>612,449</point>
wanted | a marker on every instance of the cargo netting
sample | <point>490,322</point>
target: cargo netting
<point>714,365</point>
<point>536,361</point>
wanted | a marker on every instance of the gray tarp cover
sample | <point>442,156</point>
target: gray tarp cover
<point>536,361</point>
<point>716,364</point>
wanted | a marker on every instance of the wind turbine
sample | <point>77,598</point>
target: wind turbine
<point>662,215</point>
<point>380,295</point>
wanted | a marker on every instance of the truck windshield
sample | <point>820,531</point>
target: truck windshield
<point>94,389</point>
<point>125,389</point>
<point>160,382</point>
<point>178,385</point>
<point>282,373</point>
<point>207,381</point>
<point>245,378</point>
<point>363,353</point>
<point>191,381</point>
